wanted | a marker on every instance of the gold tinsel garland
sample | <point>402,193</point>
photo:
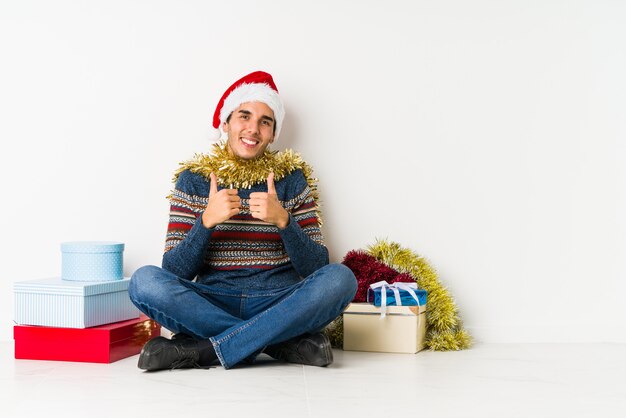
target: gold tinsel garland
<point>444,329</point>
<point>234,172</point>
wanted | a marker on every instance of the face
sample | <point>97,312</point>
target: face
<point>250,130</point>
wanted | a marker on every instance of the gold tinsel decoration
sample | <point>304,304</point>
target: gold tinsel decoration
<point>334,331</point>
<point>444,329</point>
<point>236,173</point>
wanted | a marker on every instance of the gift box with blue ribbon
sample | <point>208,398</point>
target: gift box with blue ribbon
<point>393,320</point>
<point>395,329</point>
<point>396,294</point>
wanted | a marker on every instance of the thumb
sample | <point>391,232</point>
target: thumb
<point>213,189</point>
<point>270,184</point>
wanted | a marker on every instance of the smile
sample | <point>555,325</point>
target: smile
<point>249,142</point>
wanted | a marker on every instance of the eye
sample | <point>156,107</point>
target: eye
<point>244,116</point>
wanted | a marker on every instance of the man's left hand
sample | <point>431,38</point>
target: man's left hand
<point>266,207</point>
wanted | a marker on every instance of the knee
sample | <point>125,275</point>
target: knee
<point>340,281</point>
<point>347,279</point>
<point>141,281</point>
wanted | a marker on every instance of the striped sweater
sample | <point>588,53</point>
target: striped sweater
<point>243,252</point>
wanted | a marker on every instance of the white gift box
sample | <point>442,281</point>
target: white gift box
<point>401,330</point>
<point>71,304</point>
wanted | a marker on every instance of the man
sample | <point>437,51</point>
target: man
<point>245,270</point>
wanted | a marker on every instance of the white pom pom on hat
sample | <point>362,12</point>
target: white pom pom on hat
<point>258,86</point>
<point>214,134</point>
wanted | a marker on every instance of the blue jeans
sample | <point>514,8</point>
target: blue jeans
<point>241,323</point>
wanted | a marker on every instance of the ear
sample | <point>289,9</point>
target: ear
<point>225,126</point>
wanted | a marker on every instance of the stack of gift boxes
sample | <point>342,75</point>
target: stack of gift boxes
<point>393,320</point>
<point>84,315</point>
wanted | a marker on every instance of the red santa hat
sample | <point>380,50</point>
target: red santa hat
<point>254,87</point>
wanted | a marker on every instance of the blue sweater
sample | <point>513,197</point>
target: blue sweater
<point>243,252</point>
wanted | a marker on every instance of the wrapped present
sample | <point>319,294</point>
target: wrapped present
<point>101,344</point>
<point>69,304</point>
<point>401,330</point>
<point>395,294</point>
<point>92,261</point>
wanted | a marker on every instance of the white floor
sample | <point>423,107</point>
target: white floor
<point>509,380</point>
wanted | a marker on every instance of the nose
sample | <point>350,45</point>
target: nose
<point>252,126</point>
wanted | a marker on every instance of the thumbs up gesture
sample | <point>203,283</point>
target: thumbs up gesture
<point>222,205</point>
<point>266,207</point>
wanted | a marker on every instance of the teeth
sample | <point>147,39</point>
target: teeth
<point>248,141</point>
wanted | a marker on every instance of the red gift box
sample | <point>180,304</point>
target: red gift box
<point>101,344</point>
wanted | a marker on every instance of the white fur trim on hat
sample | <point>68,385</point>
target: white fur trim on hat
<point>256,92</point>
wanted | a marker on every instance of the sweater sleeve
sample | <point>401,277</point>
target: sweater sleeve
<point>302,237</point>
<point>187,238</point>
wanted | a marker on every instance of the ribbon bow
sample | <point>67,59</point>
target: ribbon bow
<point>395,288</point>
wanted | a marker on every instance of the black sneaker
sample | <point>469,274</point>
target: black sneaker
<point>312,350</point>
<point>160,353</point>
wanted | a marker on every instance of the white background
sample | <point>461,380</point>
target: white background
<point>488,136</point>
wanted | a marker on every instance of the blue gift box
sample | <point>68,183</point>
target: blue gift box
<point>374,296</point>
<point>70,304</point>
<point>92,261</point>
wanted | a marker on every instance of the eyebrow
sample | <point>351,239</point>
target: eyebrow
<point>247,112</point>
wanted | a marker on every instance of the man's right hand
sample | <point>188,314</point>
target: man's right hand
<point>222,205</point>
